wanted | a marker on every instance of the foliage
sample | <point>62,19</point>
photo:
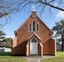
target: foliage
<point>16,5</point>
<point>11,6</point>
<point>59,30</point>
<point>7,42</point>
<point>58,58</point>
<point>2,34</point>
<point>8,39</point>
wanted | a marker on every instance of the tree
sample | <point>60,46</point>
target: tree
<point>12,6</point>
<point>59,28</point>
<point>43,4</point>
<point>8,42</point>
<point>16,5</point>
<point>59,31</point>
<point>2,34</point>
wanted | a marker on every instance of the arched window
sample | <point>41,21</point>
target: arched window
<point>33,25</point>
<point>30,27</point>
<point>37,27</point>
<point>34,40</point>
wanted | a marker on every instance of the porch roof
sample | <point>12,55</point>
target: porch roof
<point>34,34</point>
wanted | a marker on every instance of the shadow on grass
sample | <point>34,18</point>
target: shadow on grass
<point>5,53</point>
<point>10,54</point>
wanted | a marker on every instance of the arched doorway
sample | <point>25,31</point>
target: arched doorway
<point>33,46</point>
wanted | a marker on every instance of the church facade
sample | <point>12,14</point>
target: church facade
<point>33,37</point>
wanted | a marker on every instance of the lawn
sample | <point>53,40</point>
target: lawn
<point>6,57</point>
<point>58,58</point>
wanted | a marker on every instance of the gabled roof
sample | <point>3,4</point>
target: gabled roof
<point>25,20</point>
<point>23,23</point>
<point>40,20</point>
<point>34,34</point>
<point>43,23</point>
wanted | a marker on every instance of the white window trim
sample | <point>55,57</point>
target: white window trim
<point>35,27</point>
<point>32,26</point>
<point>38,26</point>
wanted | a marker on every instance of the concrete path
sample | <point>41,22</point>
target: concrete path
<point>36,58</point>
<point>33,59</point>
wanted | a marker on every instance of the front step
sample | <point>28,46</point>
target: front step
<point>33,55</point>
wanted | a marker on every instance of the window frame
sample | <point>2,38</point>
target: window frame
<point>33,27</point>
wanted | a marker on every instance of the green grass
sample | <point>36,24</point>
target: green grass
<point>6,57</point>
<point>58,58</point>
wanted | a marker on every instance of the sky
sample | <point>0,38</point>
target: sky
<point>19,18</point>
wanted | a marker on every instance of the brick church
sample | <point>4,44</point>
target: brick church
<point>33,37</point>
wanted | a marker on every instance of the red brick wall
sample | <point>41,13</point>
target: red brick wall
<point>22,34</point>
<point>14,44</point>
<point>39,49</point>
<point>49,47</point>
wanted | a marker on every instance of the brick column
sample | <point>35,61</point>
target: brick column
<point>41,49</point>
<point>55,47</point>
<point>27,49</point>
<point>14,44</point>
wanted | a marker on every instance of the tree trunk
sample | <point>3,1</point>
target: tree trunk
<point>62,42</point>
